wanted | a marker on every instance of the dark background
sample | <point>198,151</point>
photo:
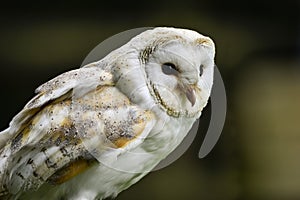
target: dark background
<point>257,43</point>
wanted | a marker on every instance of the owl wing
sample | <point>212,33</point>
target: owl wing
<point>75,118</point>
<point>79,81</point>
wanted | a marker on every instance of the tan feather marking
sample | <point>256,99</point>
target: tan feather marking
<point>71,170</point>
<point>66,122</point>
<point>204,41</point>
<point>26,133</point>
<point>137,129</point>
<point>21,138</point>
<point>121,142</point>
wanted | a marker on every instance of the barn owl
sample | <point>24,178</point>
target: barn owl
<point>92,132</point>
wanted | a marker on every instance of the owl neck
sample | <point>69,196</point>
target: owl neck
<point>131,81</point>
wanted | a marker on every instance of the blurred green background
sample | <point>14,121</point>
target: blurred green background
<point>258,54</point>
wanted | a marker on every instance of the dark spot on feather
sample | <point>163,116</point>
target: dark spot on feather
<point>20,175</point>
<point>35,174</point>
<point>63,151</point>
<point>30,161</point>
<point>50,164</point>
<point>19,160</point>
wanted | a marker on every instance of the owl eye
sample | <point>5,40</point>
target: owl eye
<point>201,70</point>
<point>169,69</point>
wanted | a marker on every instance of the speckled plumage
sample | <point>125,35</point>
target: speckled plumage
<point>92,132</point>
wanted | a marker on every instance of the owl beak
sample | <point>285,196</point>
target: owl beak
<point>190,94</point>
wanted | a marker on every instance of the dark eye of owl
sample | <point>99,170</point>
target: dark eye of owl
<point>169,69</point>
<point>201,70</point>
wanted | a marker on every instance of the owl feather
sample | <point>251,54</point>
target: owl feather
<point>92,132</point>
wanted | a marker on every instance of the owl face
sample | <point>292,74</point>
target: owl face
<point>179,68</point>
<point>172,66</point>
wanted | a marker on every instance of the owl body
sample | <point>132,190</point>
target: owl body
<point>92,132</point>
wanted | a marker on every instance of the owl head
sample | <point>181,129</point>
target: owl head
<point>169,67</point>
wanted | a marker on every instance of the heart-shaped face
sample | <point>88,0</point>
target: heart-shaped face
<point>175,65</point>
